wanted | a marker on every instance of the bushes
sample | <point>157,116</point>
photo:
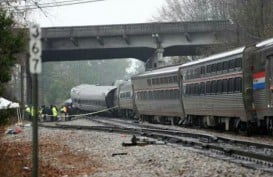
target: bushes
<point>7,116</point>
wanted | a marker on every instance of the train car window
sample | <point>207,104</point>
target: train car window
<point>219,66</point>
<point>202,70</point>
<point>171,94</point>
<point>149,95</point>
<point>214,68</point>
<point>155,95</point>
<point>157,81</point>
<point>167,94</point>
<point>225,85</point>
<point>213,87</point>
<point>198,72</point>
<point>149,82</point>
<point>186,89</point>
<point>225,65</point>
<point>209,69</point>
<point>202,88</point>
<point>189,88</point>
<point>176,94</point>
<point>208,87</point>
<point>175,79</point>
<point>170,79</point>
<point>238,84</point>
<point>138,95</point>
<point>161,94</point>
<point>145,95</point>
<point>187,74</point>
<point>191,74</point>
<point>165,80</point>
<point>192,89</point>
<point>198,89</point>
<point>162,80</point>
<point>219,86</point>
<point>238,62</point>
<point>231,64</point>
<point>230,84</point>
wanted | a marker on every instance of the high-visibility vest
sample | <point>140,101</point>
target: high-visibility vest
<point>32,111</point>
<point>54,112</point>
<point>28,109</point>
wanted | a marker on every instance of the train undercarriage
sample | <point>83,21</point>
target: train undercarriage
<point>232,124</point>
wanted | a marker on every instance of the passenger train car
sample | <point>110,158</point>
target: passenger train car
<point>230,90</point>
<point>157,95</point>
<point>92,97</point>
<point>233,87</point>
<point>125,99</point>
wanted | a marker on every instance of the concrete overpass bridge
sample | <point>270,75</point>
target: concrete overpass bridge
<point>141,41</point>
<point>145,41</point>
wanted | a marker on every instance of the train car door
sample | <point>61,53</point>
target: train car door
<point>181,91</point>
<point>269,80</point>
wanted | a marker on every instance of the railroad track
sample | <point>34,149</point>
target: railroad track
<point>248,154</point>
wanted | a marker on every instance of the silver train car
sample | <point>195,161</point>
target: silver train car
<point>125,99</point>
<point>157,95</point>
<point>91,98</point>
<point>233,88</point>
<point>230,90</point>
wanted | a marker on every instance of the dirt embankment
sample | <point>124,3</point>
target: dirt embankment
<point>55,159</point>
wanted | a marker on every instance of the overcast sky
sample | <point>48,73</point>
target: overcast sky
<point>99,13</point>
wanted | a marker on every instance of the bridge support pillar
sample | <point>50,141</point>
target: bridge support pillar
<point>158,61</point>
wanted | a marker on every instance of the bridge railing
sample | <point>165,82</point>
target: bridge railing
<point>136,29</point>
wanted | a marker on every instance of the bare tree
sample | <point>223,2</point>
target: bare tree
<point>193,10</point>
<point>253,18</point>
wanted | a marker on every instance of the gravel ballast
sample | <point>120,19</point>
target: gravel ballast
<point>112,159</point>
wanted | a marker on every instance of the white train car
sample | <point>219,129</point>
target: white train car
<point>92,98</point>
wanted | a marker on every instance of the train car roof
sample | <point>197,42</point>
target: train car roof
<point>265,43</point>
<point>164,70</point>
<point>216,56</point>
<point>96,92</point>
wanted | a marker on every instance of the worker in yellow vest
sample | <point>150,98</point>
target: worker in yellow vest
<point>27,109</point>
<point>55,113</point>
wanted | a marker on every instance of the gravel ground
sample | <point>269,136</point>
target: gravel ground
<point>136,161</point>
<point>256,139</point>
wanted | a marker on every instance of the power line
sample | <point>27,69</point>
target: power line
<point>52,4</point>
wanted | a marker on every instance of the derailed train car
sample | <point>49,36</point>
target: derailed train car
<point>92,98</point>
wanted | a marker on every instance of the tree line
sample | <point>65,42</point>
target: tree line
<point>253,19</point>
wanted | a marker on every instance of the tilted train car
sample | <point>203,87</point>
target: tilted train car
<point>91,98</point>
<point>125,99</point>
<point>157,95</point>
<point>233,87</point>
